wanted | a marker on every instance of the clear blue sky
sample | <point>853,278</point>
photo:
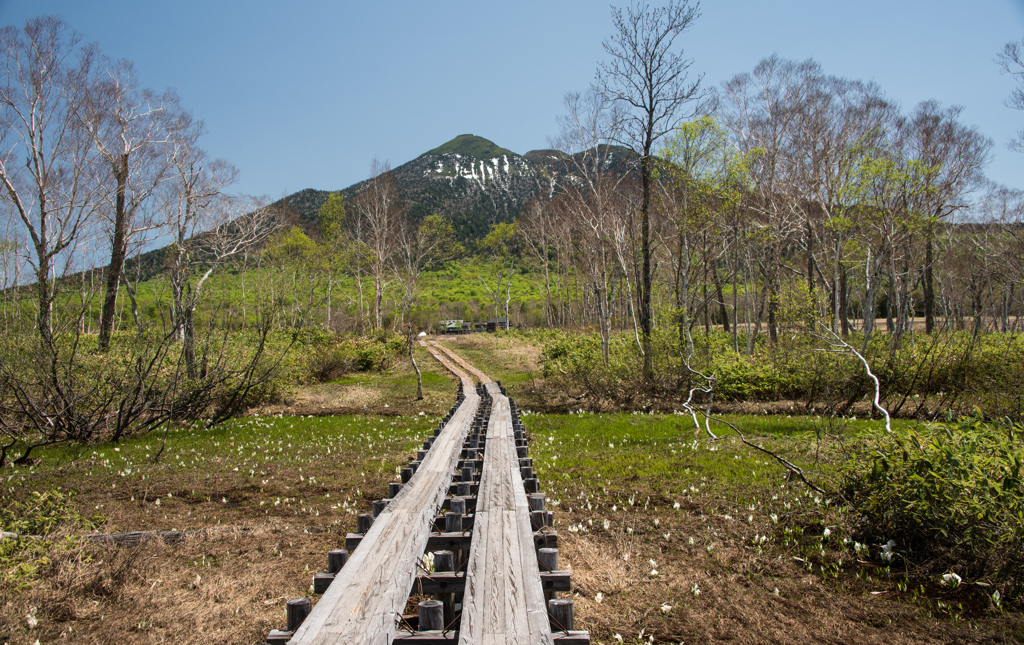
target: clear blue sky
<point>305,94</point>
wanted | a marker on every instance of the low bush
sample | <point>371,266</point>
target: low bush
<point>951,371</point>
<point>333,358</point>
<point>952,501</point>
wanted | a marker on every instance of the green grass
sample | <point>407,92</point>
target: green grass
<point>661,453</point>
<point>613,463</point>
<point>240,470</point>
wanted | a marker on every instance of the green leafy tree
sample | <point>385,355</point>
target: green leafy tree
<point>500,250</point>
<point>703,178</point>
<point>298,260</point>
<point>890,192</point>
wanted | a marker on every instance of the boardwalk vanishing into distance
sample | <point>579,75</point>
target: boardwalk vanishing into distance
<point>471,499</point>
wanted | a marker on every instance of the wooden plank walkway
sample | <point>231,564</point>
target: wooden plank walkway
<point>504,599</point>
<point>367,596</point>
<point>483,378</point>
<point>500,597</point>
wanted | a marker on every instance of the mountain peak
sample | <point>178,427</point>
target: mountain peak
<point>470,145</point>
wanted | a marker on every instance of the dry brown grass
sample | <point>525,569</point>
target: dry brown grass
<point>229,587</point>
<point>737,600</point>
<point>524,356</point>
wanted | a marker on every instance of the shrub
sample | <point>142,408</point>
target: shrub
<point>952,501</point>
<point>333,358</point>
<point>329,362</point>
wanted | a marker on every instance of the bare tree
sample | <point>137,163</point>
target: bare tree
<point>47,166</point>
<point>761,110</point>
<point>420,244</point>
<point>128,125</point>
<point>955,154</point>
<point>209,227</point>
<point>539,228</point>
<point>649,75</point>
<point>589,196</point>
<point>1011,61</point>
<point>378,211</point>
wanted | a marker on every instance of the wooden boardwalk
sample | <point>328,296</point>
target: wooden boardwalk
<point>361,604</point>
<point>502,590</point>
<point>504,601</point>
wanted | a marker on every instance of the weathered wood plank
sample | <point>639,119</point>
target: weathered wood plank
<point>483,378</point>
<point>367,595</point>
<point>504,598</point>
<point>459,541</point>
<point>455,582</point>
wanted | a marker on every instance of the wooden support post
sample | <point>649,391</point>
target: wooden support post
<point>279,637</point>
<point>431,615</point>
<point>547,559</point>
<point>393,489</point>
<point>445,561</point>
<point>560,614</point>
<point>536,501</point>
<point>453,523</point>
<point>407,474</point>
<point>363,522</point>
<point>321,581</point>
<point>378,506</point>
<point>336,559</point>
<point>537,520</point>
<point>457,506</point>
<point>531,485</point>
<point>297,609</point>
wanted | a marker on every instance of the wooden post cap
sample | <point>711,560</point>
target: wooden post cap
<point>431,615</point>
<point>560,614</point>
<point>297,609</point>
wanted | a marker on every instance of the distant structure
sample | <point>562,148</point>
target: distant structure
<point>464,327</point>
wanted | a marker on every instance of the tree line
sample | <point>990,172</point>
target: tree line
<point>786,194</point>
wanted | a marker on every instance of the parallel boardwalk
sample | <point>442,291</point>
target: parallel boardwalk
<point>504,601</point>
<point>366,596</point>
<point>492,528</point>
